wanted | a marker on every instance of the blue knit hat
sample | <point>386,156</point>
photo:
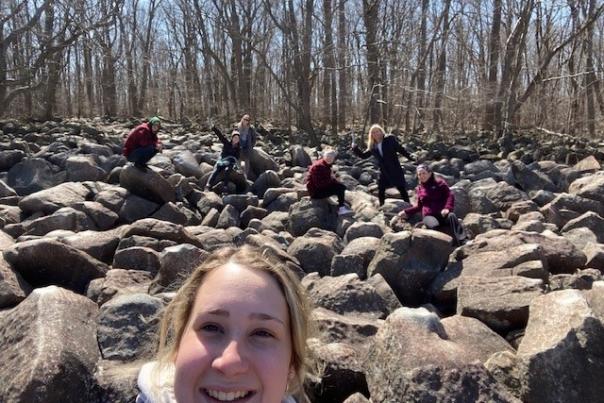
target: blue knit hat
<point>155,120</point>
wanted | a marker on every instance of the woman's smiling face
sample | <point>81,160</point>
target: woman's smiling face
<point>237,345</point>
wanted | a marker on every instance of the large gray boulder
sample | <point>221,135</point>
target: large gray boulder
<point>13,289</point>
<point>117,282</point>
<point>531,179</point>
<point>341,371</point>
<point>363,229</point>
<point>560,355</point>
<point>137,258</point>
<point>309,213</point>
<point>566,207</point>
<point>48,347</point>
<point>8,158</point>
<point>501,302</point>
<point>49,200</point>
<point>300,157</point>
<point>261,162</point>
<point>499,263</point>
<point>44,262</point>
<point>100,245</point>
<point>589,220</point>
<point>31,175</point>
<point>595,256</point>
<point>83,168</point>
<point>186,164</point>
<point>410,261</point>
<point>162,230</point>
<point>176,264</point>
<point>345,295</point>
<point>589,187</point>
<point>333,327</point>
<point>148,184</point>
<point>264,181</point>
<point>127,327</point>
<point>558,254</point>
<point>315,250</point>
<point>65,218</point>
<point>415,357</point>
<point>355,257</point>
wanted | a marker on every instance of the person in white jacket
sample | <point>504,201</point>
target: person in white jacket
<point>236,330</point>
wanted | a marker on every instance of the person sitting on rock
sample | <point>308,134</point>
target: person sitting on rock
<point>227,168</point>
<point>321,182</point>
<point>248,140</point>
<point>436,202</point>
<point>385,150</point>
<point>142,143</point>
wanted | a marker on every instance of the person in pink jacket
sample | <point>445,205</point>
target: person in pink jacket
<point>436,202</point>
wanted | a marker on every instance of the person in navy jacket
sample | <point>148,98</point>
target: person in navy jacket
<point>385,150</point>
<point>227,168</point>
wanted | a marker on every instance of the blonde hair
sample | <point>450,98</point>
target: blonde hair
<point>370,140</point>
<point>239,125</point>
<point>177,313</point>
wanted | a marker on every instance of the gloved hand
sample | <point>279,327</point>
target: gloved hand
<point>216,130</point>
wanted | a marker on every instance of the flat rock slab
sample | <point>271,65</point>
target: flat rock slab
<point>501,302</point>
<point>44,262</point>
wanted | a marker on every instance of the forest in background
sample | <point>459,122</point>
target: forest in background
<point>412,65</point>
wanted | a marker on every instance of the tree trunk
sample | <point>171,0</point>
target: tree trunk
<point>441,67</point>
<point>590,77</point>
<point>342,107</point>
<point>491,89</point>
<point>328,63</point>
<point>303,70</point>
<point>146,65</point>
<point>88,77</point>
<point>371,10</point>
<point>421,73</point>
<point>510,61</point>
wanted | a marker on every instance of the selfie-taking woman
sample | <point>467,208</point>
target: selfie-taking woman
<point>236,330</point>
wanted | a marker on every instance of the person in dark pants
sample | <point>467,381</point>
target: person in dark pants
<point>248,137</point>
<point>436,202</point>
<point>226,168</point>
<point>385,149</point>
<point>142,143</point>
<point>321,182</point>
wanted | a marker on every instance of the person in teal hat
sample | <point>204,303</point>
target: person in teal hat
<point>142,143</point>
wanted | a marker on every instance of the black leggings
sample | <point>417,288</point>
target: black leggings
<point>226,173</point>
<point>382,192</point>
<point>334,190</point>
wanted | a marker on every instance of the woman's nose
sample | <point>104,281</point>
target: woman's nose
<point>232,360</point>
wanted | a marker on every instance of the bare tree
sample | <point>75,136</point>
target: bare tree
<point>371,10</point>
<point>439,79</point>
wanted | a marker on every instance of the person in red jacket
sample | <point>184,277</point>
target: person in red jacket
<point>321,182</point>
<point>436,203</point>
<point>142,143</point>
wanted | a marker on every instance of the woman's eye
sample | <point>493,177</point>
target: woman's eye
<point>263,333</point>
<point>211,328</point>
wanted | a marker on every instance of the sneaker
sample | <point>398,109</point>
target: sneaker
<point>344,210</point>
